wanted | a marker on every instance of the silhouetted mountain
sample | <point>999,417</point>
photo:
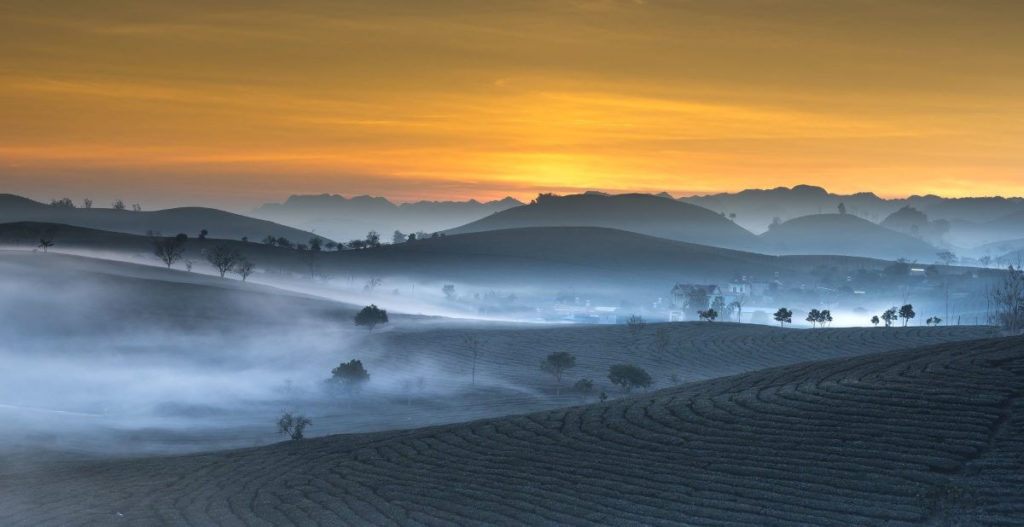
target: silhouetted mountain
<point>847,235</point>
<point>189,220</point>
<point>640,213</point>
<point>350,218</point>
<point>755,209</point>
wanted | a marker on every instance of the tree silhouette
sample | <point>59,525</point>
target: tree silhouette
<point>813,316</point>
<point>629,376</point>
<point>169,250</point>
<point>783,316</point>
<point>556,363</point>
<point>889,316</point>
<point>473,345</point>
<point>874,320</point>
<point>351,375</point>
<point>370,316</point>
<point>45,243</point>
<point>1008,300</point>
<point>223,258</point>
<point>293,425</point>
<point>708,314</point>
<point>244,268</point>
<point>907,313</point>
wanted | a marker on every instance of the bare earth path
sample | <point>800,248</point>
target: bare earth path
<point>932,435</point>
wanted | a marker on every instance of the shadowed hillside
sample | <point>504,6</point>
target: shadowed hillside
<point>531,256</point>
<point>189,220</point>
<point>640,213</point>
<point>925,436</point>
<point>847,235</point>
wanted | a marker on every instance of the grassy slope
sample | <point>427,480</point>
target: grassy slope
<point>930,435</point>
<point>60,294</point>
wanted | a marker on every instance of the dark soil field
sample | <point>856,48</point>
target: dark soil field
<point>928,436</point>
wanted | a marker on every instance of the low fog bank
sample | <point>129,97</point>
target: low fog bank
<point>109,357</point>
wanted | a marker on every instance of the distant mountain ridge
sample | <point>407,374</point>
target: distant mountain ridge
<point>969,218</point>
<point>640,213</point>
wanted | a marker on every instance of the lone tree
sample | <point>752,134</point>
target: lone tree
<point>473,346</point>
<point>118,205</point>
<point>874,320</point>
<point>825,317</point>
<point>244,268</point>
<point>708,314</point>
<point>203,234</point>
<point>783,316</point>
<point>556,363</point>
<point>370,316</point>
<point>45,243</point>
<point>223,258</point>
<point>907,313</point>
<point>583,387</point>
<point>889,316</point>
<point>635,324</point>
<point>629,376</point>
<point>1008,301</point>
<point>293,425</point>
<point>169,250</point>
<point>351,375</point>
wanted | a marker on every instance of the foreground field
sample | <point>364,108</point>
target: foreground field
<point>931,435</point>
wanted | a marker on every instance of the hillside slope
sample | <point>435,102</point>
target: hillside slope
<point>926,436</point>
<point>189,220</point>
<point>846,235</point>
<point>344,218</point>
<point>541,256</point>
<point>641,213</point>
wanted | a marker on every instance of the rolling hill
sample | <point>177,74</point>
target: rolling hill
<point>919,437</point>
<point>344,218</point>
<point>529,256</point>
<point>641,213</point>
<point>189,220</point>
<point>846,235</point>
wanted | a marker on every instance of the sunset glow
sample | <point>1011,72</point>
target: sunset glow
<point>253,101</point>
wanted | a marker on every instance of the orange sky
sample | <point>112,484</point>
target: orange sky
<point>249,101</point>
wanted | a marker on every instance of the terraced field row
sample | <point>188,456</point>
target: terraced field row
<point>691,351</point>
<point>930,435</point>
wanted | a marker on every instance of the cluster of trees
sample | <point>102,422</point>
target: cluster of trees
<point>225,259</point>
<point>891,315</point>
<point>816,317</point>
<point>627,376</point>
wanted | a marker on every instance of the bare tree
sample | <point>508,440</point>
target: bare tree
<point>293,425</point>
<point>1008,300</point>
<point>473,345</point>
<point>244,268</point>
<point>87,203</point>
<point>169,250</point>
<point>223,258</point>
<point>635,324</point>
<point>118,205</point>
